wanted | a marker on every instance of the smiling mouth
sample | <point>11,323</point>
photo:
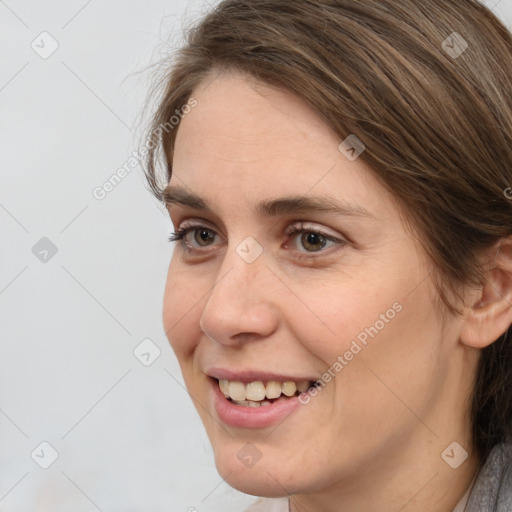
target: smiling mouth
<point>260,393</point>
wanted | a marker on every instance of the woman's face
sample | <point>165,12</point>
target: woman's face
<point>296,267</point>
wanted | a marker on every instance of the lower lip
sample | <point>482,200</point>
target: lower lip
<point>251,417</point>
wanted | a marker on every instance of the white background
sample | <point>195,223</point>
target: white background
<point>127,435</point>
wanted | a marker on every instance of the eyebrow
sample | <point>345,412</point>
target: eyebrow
<point>271,207</point>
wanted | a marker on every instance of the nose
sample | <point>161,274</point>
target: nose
<point>240,307</point>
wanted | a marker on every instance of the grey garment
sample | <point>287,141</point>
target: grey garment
<point>492,491</point>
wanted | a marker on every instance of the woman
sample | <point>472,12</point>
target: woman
<point>340,295</point>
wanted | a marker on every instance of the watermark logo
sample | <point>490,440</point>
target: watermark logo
<point>44,455</point>
<point>44,250</point>
<point>45,45</point>
<point>508,193</point>
<point>147,352</point>
<point>249,249</point>
<point>249,455</point>
<point>455,45</point>
<point>454,455</point>
<point>351,148</point>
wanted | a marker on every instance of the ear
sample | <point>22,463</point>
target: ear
<point>489,311</point>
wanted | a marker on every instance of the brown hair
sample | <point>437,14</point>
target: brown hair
<point>437,125</point>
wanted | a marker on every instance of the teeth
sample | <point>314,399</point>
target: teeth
<point>302,386</point>
<point>250,403</point>
<point>237,391</point>
<point>255,391</point>
<point>254,394</point>
<point>289,388</point>
<point>224,386</point>
<point>273,389</point>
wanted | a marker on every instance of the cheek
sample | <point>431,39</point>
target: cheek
<point>372,329</point>
<point>341,315</point>
<point>182,309</point>
<point>386,353</point>
<point>364,304</point>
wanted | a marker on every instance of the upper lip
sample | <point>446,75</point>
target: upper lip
<point>253,375</point>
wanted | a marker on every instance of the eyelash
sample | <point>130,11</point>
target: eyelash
<point>180,234</point>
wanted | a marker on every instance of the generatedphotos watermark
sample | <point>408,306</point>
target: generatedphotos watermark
<point>100,192</point>
<point>348,355</point>
<point>508,193</point>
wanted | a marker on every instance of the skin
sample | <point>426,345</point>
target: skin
<point>372,438</point>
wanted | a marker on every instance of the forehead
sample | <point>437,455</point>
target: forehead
<point>246,140</point>
<point>234,110</point>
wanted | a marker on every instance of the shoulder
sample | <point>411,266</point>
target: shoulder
<point>493,486</point>
<point>269,505</point>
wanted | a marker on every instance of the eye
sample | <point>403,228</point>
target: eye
<point>311,239</point>
<point>203,236</point>
<point>306,239</point>
<point>194,236</point>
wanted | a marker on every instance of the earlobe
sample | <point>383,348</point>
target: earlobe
<point>489,311</point>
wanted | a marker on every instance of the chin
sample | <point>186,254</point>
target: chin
<point>257,483</point>
<point>267,477</point>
